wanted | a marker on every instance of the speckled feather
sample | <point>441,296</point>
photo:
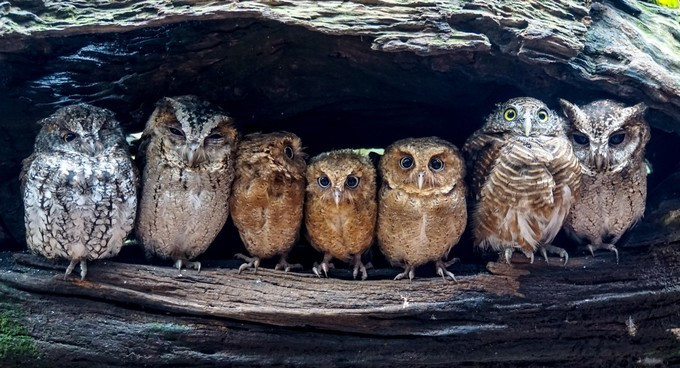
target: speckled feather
<point>184,205</point>
<point>613,194</point>
<point>80,196</point>
<point>420,225</point>
<point>523,185</point>
<point>268,193</point>
<point>345,230</point>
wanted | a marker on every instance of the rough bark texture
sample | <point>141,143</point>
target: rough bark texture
<point>528,315</point>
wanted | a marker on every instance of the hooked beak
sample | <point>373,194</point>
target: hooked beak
<point>337,195</point>
<point>191,156</point>
<point>600,161</point>
<point>90,147</point>
<point>527,127</point>
<point>421,179</point>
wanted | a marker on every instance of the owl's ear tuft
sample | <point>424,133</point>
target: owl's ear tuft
<point>570,110</point>
<point>637,111</point>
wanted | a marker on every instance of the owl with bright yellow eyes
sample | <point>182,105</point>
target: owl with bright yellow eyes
<point>525,178</point>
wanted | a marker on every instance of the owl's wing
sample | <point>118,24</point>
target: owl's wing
<point>481,151</point>
<point>23,176</point>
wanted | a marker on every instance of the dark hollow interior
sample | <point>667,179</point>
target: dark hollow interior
<point>333,91</point>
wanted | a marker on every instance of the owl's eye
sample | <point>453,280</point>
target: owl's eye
<point>542,115</point>
<point>406,162</point>
<point>617,138</point>
<point>324,182</point>
<point>177,132</point>
<point>213,136</point>
<point>581,139</point>
<point>288,151</point>
<point>352,182</point>
<point>436,164</point>
<point>510,114</point>
<point>67,137</point>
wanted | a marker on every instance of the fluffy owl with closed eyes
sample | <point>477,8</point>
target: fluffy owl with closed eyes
<point>79,187</point>
<point>422,209</point>
<point>187,155</point>
<point>340,208</point>
<point>525,179</point>
<point>268,196</point>
<point>609,140</point>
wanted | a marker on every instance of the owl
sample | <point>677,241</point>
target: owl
<point>341,208</point>
<point>79,187</point>
<point>421,207</point>
<point>187,157</point>
<point>609,140</point>
<point>525,178</point>
<point>268,195</point>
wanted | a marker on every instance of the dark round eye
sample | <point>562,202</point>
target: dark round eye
<point>581,139</point>
<point>213,136</point>
<point>617,138</point>
<point>176,131</point>
<point>436,164</point>
<point>324,182</point>
<point>406,162</point>
<point>352,181</point>
<point>510,114</point>
<point>288,151</point>
<point>69,136</point>
<point>542,115</point>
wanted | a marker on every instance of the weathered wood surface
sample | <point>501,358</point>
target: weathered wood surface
<point>592,311</point>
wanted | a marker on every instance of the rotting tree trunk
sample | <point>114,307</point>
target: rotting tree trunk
<point>592,311</point>
<point>273,63</point>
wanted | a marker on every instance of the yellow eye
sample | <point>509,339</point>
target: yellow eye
<point>542,115</point>
<point>510,114</point>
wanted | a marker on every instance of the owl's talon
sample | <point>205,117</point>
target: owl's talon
<point>554,250</point>
<point>545,255</point>
<point>250,262</point>
<point>403,274</point>
<point>443,272</point>
<point>508,255</point>
<point>610,247</point>
<point>359,266</point>
<point>195,265</point>
<point>451,261</point>
<point>70,268</point>
<point>530,255</point>
<point>83,269</point>
<point>178,265</point>
<point>285,266</point>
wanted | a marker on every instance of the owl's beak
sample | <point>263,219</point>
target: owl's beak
<point>337,196</point>
<point>192,156</point>
<point>421,179</point>
<point>600,161</point>
<point>527,127</point>
<point>89,147</point>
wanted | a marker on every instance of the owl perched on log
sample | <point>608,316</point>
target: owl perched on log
<point>79,187</point>
<point>340,208</point>
<point>609,140</point>
<point>187,154</point>
<point>268,195</point>
<point>422,210</point>
<point>525,178</point>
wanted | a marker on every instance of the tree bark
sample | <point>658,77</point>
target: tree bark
<point>529,315</point>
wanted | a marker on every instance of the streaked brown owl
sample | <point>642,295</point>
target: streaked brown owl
<point>79,187</point>
<point>340,208</point>
<point>525,178</point>
<point>421,207</point>
<point>268,195</point>
<point>187,154</point>
<point>609,140</point>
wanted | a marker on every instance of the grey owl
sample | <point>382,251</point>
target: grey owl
<point>525,178</point>
<point>609,140</point>
<point>187,154</point>
<point>79,187</point>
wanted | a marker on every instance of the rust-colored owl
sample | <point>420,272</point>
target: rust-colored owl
<point>525,179</point>
<point>268,195</point>
<point>340,208</point>
<point>422,208</point>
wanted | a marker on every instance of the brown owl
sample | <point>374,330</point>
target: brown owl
<point>422,208</point>
<point>268,196</point>
<point>79,187</point>
<point>525,178</point>
<point>187,155</point>
<point>340,208</point>
<point>609,140</point>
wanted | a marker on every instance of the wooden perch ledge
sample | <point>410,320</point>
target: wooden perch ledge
<point>127,314</point>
